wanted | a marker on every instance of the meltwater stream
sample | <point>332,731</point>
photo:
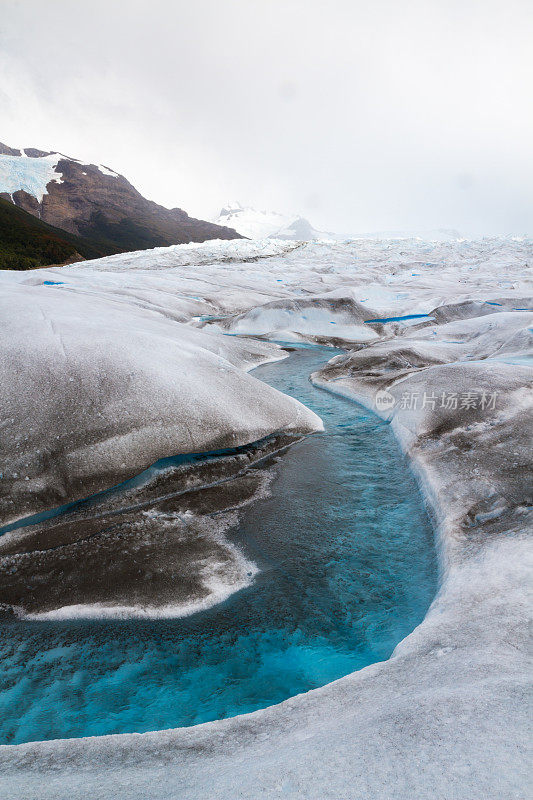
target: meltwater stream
<point>347,569</point>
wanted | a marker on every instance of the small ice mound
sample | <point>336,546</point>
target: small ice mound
<point>310,319</point>
<point>119,388</point>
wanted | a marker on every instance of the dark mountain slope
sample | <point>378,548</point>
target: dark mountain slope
<point>27,242</point>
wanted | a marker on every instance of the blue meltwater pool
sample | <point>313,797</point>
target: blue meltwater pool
<point>347,569</point>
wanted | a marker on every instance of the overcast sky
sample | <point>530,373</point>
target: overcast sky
<point>361,116</point>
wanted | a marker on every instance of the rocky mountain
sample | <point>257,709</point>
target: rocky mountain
<point>92,201</point>
<point>268,224</point>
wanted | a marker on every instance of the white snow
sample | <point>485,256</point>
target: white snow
<point>256,224</point>
<point>251,223</point>
<point>107,171</point>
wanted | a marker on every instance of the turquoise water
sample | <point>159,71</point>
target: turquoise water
<point>398,319</point>
<point>347,570</point>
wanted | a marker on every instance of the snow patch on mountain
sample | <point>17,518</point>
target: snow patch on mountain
<point>32,175</point>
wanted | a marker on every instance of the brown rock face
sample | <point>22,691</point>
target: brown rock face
<point>32,152</point>
<point>8,151</point>
<point>109,211</point>
<point>26,201</point>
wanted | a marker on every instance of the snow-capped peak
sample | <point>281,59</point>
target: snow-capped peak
<point>256,224</point>
<point>231,207</point>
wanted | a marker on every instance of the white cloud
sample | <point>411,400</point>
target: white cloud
<point>360,115</point>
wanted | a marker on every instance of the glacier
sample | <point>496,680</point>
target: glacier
<point>447,715</point>
<point>31,175</point>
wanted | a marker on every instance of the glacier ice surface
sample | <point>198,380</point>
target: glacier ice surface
<point>447,715</point>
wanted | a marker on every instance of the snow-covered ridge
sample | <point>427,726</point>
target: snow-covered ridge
<point>212,251</point>
<point>33,174</point>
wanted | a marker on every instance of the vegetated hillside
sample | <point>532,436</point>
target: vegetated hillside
<point>27,242</point>
<point>93,201</point>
